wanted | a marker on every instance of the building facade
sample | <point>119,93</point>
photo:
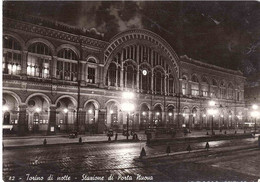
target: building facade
<point>58,79</point>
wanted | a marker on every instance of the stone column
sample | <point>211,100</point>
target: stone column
<point>189,88</point>
<point>165,87</point>
<point>22,122</point>
<point>52,120</point>
<point>116,77</point>
<point>122,71</point>
<point>138,78</point>
<point>24,63</point>
<point>101,121</point>
<point>83,73</point>
<point>137,54</point>
<point>53,67</point>
<point>152,83</point>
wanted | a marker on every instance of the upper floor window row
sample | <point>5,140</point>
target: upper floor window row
<point>40,48</point>
<point>11,43</point>
<point>67,54</point>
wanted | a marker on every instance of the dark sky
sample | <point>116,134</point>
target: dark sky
<point>226,34</point>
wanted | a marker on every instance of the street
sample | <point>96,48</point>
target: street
<point>93,161</point>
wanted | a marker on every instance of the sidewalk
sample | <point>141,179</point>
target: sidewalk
<point>27,141</point>
<point>201,151</point>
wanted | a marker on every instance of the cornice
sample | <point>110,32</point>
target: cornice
<point>49,32</point>
<point>186,59</point>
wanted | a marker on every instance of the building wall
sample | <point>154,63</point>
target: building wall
<point>55,81</point>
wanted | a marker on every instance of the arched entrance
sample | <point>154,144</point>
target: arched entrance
<point>113,120</point>
<point>157,120</point>
<point>144,119</point>
<point>38,113</point>
<point>66,114</point>
<point>170,117</point>
<point>91,117</point>
<point>10,113</point>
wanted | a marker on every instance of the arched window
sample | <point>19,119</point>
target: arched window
<point>184,85</point>
<point>67,65</point>
<point>205,80</point>
<point>214,82</point>
<point>214,89</point>
<point>194,86</point>
<point>11,56</point>
<point>111,75</point>
<point>39,59</point>
<point>230,91</point>
<point>223,90</point>
<point>205,87</point>
<point>194,78</point>
<point>159,81</point>
<point>130,74</point>
<point>171,84</point>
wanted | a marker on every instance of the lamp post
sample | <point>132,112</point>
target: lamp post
<point>66,118</point>
<point>212,111</point>
<point>128,107</point>
<point>193,118</point>
<point>203,116</point>
<point>255,114</point>
<point>170,118</point>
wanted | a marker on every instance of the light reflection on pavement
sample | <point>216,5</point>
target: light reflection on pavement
<point>107,158</point>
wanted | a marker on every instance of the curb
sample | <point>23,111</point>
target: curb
<point>207,138</point>
<point>193,151</point>
<point>66,144</point>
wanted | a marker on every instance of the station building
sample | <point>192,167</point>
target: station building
<point>58,78</point>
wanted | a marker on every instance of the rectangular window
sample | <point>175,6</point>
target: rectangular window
<point>194,90</point>
<point>205,93</point>
<point>184,88</point>
<point>91,75</point>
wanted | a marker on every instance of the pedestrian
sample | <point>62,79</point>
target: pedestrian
<point>142,154</point>
<point>207,146</point>
<point>136,136</point>
<point>168,150</point>
<point>116,137</point>
<point>109,139</point>
<point>80,140</point>
<point>189,148</point>
<point>45,142</point>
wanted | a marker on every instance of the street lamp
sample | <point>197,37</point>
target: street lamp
<point>255,114</point>
<point>37,109</point>
<point>5,108</point>
<point>212,112</point>
<point>66,118</point>
<point>128,107</point>
<point>193,118</point>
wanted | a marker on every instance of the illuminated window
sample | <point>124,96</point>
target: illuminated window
<point>91,75</point>
<point>11,56</point>
<point>39,59</point>
<point>67,66</point>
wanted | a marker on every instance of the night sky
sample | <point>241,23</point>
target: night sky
<point>226,34</point>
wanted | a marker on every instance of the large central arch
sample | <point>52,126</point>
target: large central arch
<point>126,41</point>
